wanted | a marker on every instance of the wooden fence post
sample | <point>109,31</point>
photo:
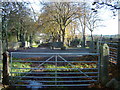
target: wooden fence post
<point>104,64</point>
<point>118,58</point>
<point>5,80</point>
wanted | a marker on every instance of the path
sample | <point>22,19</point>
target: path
<point>46,50</point>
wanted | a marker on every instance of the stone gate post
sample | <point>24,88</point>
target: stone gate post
<point>5,80</point>
<point>104,64</point>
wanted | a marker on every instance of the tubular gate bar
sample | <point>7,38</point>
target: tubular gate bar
<point>62,70</point>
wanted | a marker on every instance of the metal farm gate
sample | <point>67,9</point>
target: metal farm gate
<point>43,70</point>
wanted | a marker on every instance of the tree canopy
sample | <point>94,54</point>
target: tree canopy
<point>59,14</point>
<point>16,22</point>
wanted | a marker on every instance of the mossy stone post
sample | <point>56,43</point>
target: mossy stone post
<point>5,80</point>
<point>104,64</point>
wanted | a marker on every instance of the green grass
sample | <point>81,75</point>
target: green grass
<point>87,47</point>
<point>35,46</point>
<point>59,68</point>
<point>20,65</point>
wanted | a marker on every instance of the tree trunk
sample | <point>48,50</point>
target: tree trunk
<point>6,39</point>
<point>83,42</point>
<point>22,37</point>
<point>4,36</point>
<point>84,39</point>
<point>1,61</point>
<point>30,40</point>
<point>84,27</point>
<point>63,36</point>
<point>17,34</point>
<point>91,36</point>
<point>92,43</point>
<point>59,38</point>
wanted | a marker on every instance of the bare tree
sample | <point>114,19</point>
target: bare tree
<point>83,19</point>
<point>114,4</point>
<point>93,22</point>
<point>61,13</point>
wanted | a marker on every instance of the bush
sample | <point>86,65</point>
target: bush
<point>63,48</point>
<point>45,45</point>
<point>75,42</point>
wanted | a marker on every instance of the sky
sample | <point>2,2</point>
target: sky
<point>109,21</point>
